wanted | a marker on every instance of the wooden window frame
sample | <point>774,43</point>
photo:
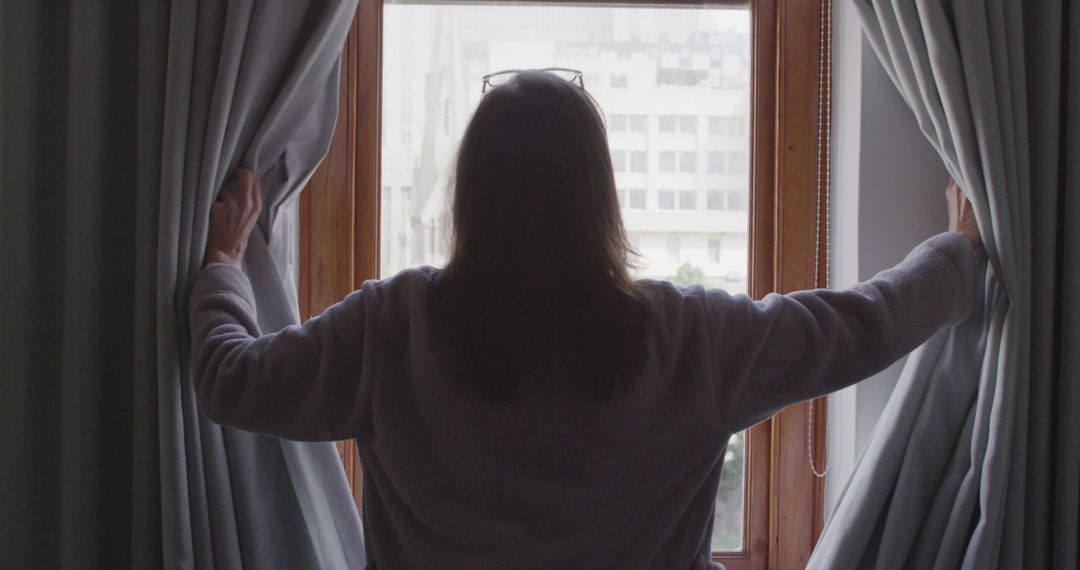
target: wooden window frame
<point>339,241</point>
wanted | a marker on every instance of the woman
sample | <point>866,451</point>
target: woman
<point>531,405</point>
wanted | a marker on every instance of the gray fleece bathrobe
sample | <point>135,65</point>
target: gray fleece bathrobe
<point>555,481</point>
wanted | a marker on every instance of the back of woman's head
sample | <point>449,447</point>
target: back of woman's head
<point>537,288</point>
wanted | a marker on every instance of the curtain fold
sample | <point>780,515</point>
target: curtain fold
<point>251,84</point>
<point>120,122</point>
<point>974,463</point>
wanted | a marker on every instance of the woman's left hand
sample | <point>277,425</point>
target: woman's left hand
<point>232,218</point>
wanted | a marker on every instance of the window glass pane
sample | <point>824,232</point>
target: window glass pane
<point>686,200</point>
<point>666,200</point>
<point>667,123</point>
<point>656,71</point>
<point>687,161</point>
<point>714,250</point>
<point>667,161</point>
<point>618,160</point>
<point>717,162</point>
<point>688,124</point>
<point>714,200</point>
<point>738,126</point>
<point>736,162</point>
<point>674,249</point>
<point>736,200</point>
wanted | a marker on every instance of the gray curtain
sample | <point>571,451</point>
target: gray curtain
<point>251,83</point>
<point>120,122</point>
<point>976,461</point>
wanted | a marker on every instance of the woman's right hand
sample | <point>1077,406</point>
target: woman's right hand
<point>961,215</point>
<point>232,217</point>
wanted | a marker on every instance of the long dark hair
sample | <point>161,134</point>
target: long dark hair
<point>537,287</point>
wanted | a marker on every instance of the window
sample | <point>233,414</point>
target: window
<point>688,161</point>
<point>668,123</point>
<point>736,200</point>
<point>667,161</point>
<point>666,200</point>
<point>674,249</point>
<point>687,124</point>
<point>714,200</point>
<point>716,125</point>
<point>717,162</point>
<point>617,123</point>
<point>677,123</point>
<point>714,250</point>
<point>727,162</point>
<point>727,125</point>
<point>618,80</point>
<point>618,160</point>
<point>687,199</point>
<point>736,162</point>
<point>768,509</point>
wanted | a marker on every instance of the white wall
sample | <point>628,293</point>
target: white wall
<point>887,196</point>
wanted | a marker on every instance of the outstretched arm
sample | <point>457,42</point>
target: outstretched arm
<point>300,383</point>
<point>806,344</point>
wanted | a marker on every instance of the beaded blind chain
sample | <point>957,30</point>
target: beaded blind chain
<point>824,163</point>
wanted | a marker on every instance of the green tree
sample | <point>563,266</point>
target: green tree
<point>688,274</point>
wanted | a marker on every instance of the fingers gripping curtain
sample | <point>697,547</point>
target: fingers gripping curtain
<point>250,84</point>
<point>958,472</point>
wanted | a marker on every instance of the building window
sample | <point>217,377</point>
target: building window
<point>618,160</point>
<point>673,249</point>
<point>668,123</point>
<point>638,123</point>
<point>727,125</point>
<point>667,161</point>
<point>666,200</point>
<point>737,162</point>
<point>687,199</point>
<point>714,250</point>
<point>714,200</point>
<point>736,200</point>
<point>688,124</point>
<point>717,162</point>
<point>617,123</point>
<point>618,80</point>
<point>637,161</point>
<point>727,162</point>
<point>637,199</point>
<point>688,161</point>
